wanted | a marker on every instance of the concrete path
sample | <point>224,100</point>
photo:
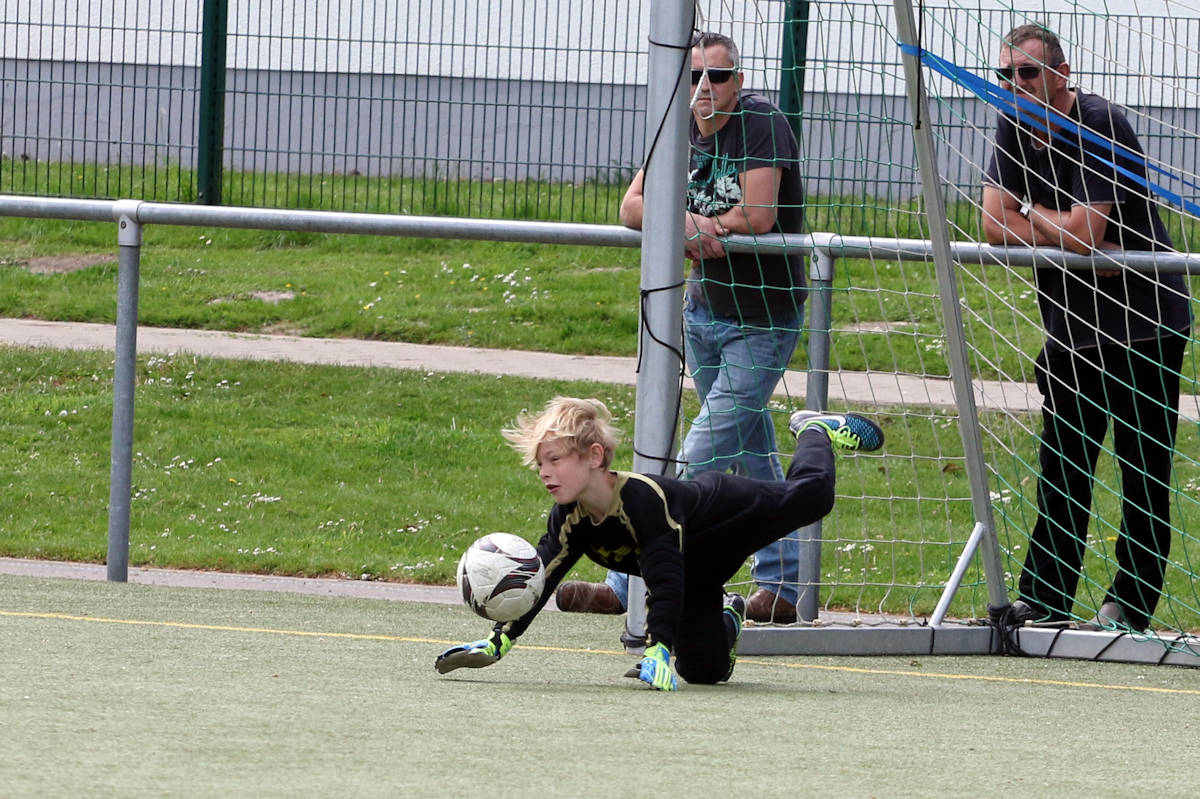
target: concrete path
<point>845,388</point>
<point>873,388</point>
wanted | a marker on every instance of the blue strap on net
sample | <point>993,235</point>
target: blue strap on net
<point>1033,114</point>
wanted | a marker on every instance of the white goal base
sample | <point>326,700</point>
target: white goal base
<point>1170,649</point>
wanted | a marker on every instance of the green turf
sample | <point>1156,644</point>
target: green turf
<point>127,690</point>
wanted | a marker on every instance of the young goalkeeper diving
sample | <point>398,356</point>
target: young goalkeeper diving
<point>685,538</point>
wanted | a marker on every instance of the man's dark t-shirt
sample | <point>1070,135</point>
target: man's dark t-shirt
<point>747,286</point>
<point>1080,309</point>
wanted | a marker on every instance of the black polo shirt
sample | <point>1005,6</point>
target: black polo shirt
<point>1078,308</point>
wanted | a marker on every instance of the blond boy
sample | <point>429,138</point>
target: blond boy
<point>686,539</point>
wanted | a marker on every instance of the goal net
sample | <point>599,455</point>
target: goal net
<point>905,516</point>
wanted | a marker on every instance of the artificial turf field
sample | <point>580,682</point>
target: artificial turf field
<point>130,690</point>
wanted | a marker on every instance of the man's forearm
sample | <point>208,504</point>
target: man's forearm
<point>747,219</point>
<point>1011,228</point>
<point>1039,226</point>
<point>1049,225</point>
<point>1081,229</point>
<point>633,203</point>
<point>631,212</point>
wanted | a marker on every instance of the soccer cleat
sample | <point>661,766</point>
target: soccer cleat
<point>848,431</point>
<point>735,611</point>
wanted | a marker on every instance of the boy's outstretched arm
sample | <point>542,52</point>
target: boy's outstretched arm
<point>474,655</point>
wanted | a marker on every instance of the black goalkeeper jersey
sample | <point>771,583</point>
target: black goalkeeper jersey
<point>712,523</point>
<point>642,533</point>
<point>687,539</point>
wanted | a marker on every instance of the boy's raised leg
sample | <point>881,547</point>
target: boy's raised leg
<point>846,431</point>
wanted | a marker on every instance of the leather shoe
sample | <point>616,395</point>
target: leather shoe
<point>1021,612</point>
<point>1111,616</point>
<point>766,606</point>
<point>581,597</point>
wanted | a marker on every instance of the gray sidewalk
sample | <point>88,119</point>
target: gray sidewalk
<point>845,388</point>
<point>859,388</point>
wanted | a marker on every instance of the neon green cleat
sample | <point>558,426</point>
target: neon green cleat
<point>848,431</point>
<point>735,609</point>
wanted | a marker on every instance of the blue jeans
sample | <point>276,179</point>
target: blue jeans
<point>735,368</point>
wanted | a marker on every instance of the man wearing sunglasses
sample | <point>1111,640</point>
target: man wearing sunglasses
<point>743,311</point>
<point>1114,338</point>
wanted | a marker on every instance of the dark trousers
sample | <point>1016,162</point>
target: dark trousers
<point>1138,388</point>
<point>742,516</point>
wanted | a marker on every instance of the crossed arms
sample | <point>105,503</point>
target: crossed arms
<point>1080,230</point>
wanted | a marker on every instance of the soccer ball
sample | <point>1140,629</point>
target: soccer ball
<point>501,576</point>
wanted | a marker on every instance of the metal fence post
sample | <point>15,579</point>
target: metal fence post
<point>794,68</point>
<point>210,119</point>
<point>129,238</point>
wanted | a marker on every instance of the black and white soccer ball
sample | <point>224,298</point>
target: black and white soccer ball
<point>501,576</point>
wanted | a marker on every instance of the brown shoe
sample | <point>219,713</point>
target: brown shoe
<point>767,606</point>
<point>581,597</point>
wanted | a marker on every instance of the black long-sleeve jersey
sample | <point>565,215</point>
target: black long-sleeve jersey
<point>717,520</point>
<point>642,534</point>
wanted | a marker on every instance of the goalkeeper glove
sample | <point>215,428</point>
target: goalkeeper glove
<point>655,669</point>
<point>474,655</point>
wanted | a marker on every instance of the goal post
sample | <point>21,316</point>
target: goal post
<point>662,247</point>
<point>937,334</point>
<point>983,537</point>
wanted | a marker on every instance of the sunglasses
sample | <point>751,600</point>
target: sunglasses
<point>715,74</point>
<point>1027,72</point>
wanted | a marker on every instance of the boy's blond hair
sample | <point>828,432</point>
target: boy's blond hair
<point>578,422</point>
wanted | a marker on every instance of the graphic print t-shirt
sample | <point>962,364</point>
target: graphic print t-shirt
<point>747,286</point>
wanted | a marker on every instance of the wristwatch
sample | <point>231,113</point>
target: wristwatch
<point>1026,207</point>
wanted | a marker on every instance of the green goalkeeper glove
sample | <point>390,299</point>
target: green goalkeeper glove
<point>655,669</point>
<point>474,655</point>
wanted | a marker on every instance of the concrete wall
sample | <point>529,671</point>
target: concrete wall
<point>373,125</point>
